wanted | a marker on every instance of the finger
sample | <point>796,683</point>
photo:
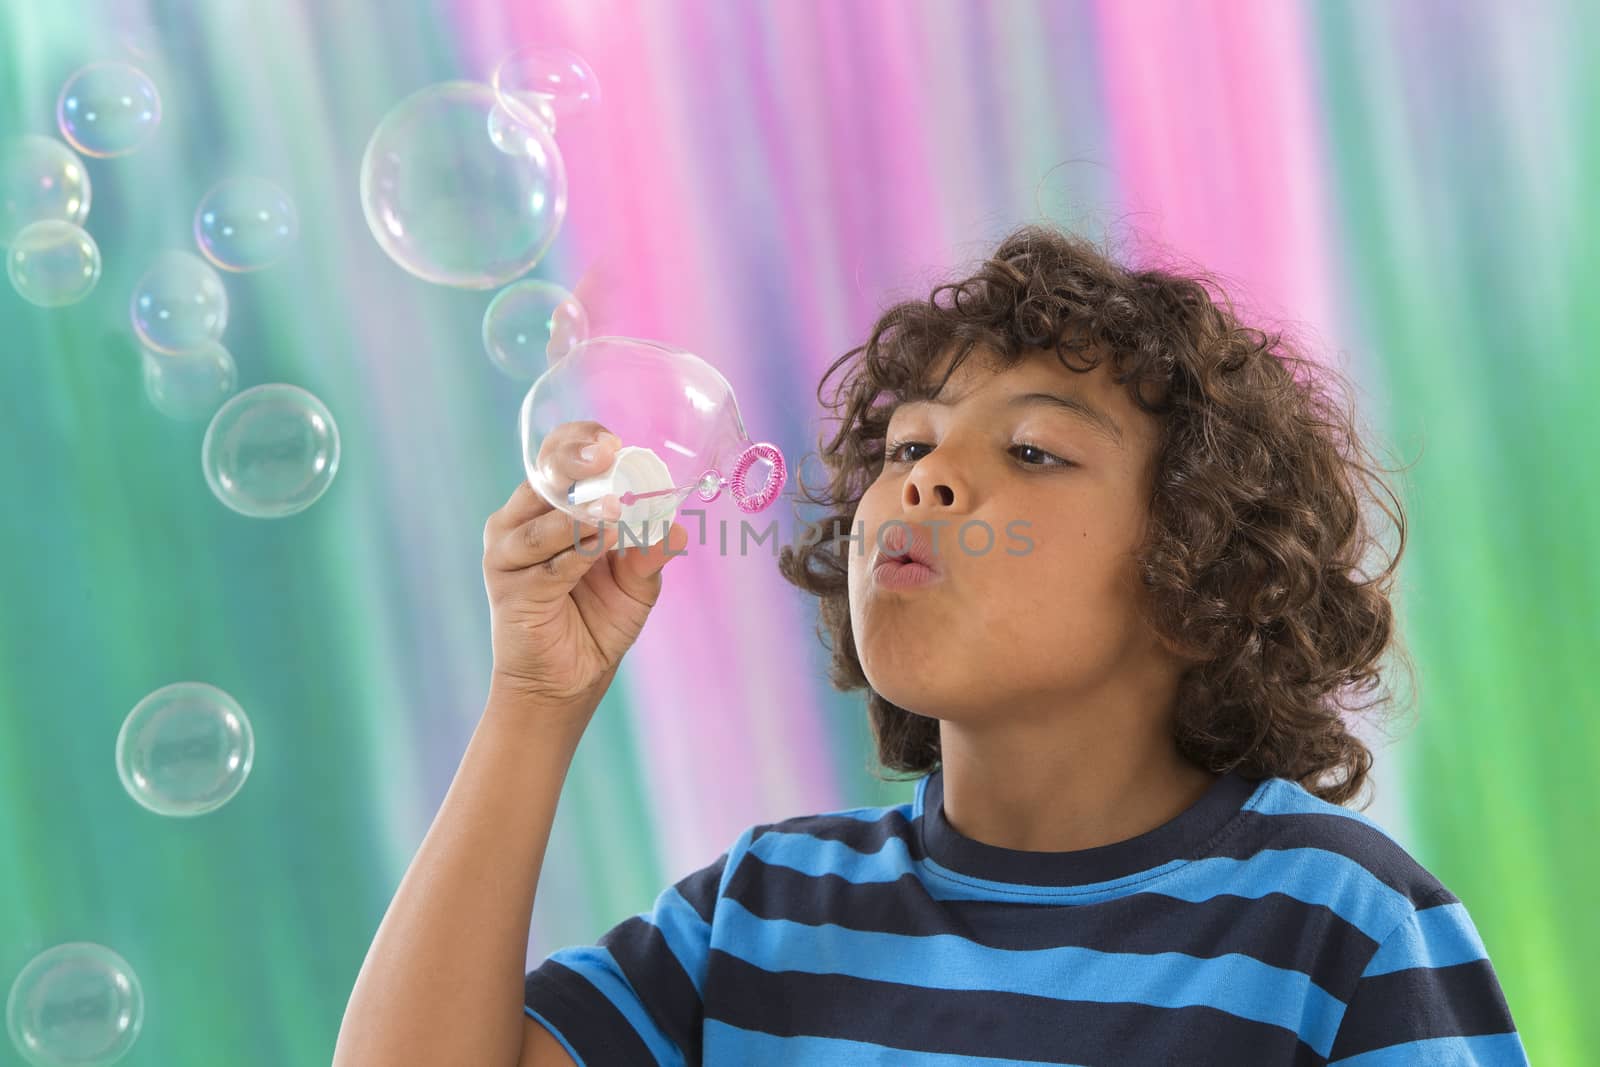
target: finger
<point>569,441</point>
<point>537,540</point>
<point>638,570</point>
<point>566,567</point>
<point>574,450</point>
<point>524,503</point>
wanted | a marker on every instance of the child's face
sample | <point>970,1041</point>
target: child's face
<point>1048,613</point>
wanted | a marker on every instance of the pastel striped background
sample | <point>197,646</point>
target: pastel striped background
<point>1408,185</point>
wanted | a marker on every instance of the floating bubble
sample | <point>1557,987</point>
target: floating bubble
<point>245,224</point>
<point>179,304</point>
<point>40,179</point>
<point>448,201</point>
<point>519,137</point>
<point>271,451</point>
<point>76,1004</point>
<point>190,385</point>
<point>185,749</point>
<point>108,109</point>
<point>531,324</point>
<point>542,84</point>
<point>53,263</point>
<point>678,422</point>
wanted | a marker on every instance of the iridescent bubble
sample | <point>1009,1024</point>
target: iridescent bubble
<point>675,417</point>
<point>542,83</point>
<point>515,136</point>
<point>76,1004</point>
<point>245,224</point>
<point>446,201</point>
<point>108,109</point>
<point>53,263</point>
<point>179,304</point>
<point>40,179</point>
<point>530,325</point>
<point>190,385</point>
<point>185,749</point>
<point>271,451</point>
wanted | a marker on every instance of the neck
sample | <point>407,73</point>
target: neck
<point>1081,777</point>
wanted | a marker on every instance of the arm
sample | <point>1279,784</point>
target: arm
<point>1429,995</point>
<point>442,982</point>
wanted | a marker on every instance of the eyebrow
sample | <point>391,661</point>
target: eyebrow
<point>1075,406</point>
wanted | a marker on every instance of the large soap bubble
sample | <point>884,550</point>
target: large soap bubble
<point>678,422</point>
<point>185,749</point>
<point>458,194</point>
<point>179,303</point>
<point>108,109</point>
<point>40,179</point>
<point>530,324</point>
<point>189,385</point>
<point>75,1005</point>
<point>271,451</point>
<point>245,224</point>
<point>53,263</point>
<point>543,83</point>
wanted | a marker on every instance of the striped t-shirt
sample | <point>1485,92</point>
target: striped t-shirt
<point>1262,925</point>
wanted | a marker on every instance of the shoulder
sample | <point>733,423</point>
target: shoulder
<point>824,841</point>
<point>1285,826</point>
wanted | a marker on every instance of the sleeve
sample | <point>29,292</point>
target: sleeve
<point>1429,995</point>
<point>634,998</point>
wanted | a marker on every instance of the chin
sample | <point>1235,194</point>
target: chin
<point>917,692</point>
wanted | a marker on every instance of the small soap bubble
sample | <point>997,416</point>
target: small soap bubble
<point>78,1004</point>
<point>185,749</point>
<point>245,224</point>
<point>190,385</point>
<point>544,83</point>
<point>271,451</point>
<point>40,179</point>
<point>53,263</point>
<point>179,304</point>
<point>455,195</point>
<point>108,109</point>
<point>518,137</point>
<point>531,324</point>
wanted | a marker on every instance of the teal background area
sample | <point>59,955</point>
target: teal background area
<point>1409,184</point>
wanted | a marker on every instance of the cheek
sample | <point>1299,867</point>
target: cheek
<point>1072,581</point>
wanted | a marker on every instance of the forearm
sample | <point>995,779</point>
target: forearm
<point>442,982</point>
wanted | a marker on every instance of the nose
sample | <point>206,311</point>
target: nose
<point>934,484</point>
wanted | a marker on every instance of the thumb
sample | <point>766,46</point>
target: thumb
<point>638,570</point>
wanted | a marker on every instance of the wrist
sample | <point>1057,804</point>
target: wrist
<point>512,700</point>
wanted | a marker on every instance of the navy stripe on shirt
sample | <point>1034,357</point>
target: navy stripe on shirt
<point>1261,925</point>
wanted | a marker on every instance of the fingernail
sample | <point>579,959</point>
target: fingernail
<point>606,507</point>
<point>587,453</point>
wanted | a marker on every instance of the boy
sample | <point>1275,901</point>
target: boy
<point>1106,604</point>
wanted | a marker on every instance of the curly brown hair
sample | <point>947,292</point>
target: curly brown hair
<point>1259,527</point>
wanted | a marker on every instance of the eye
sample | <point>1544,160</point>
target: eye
<point>1035,456</point>
<point>1049,459</point>
<point>892,452</point>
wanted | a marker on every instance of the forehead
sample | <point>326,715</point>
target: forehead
<point>984,378</point>
<point>983,372</point>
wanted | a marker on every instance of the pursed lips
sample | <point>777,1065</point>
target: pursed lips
<point>918,549</point>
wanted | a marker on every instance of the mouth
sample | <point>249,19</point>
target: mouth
<point>909,564</point>
<point>903,573</point>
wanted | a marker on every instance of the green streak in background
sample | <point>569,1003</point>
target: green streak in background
<point>1490,377</point>
<point>123,574</point>
<point>1469,263</point>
